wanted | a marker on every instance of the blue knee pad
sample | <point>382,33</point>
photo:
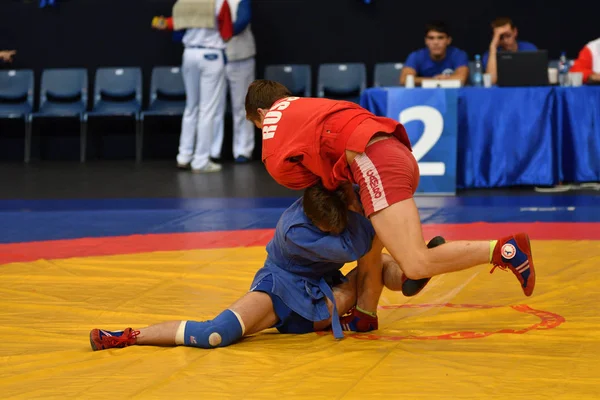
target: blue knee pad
<point>219,332</point>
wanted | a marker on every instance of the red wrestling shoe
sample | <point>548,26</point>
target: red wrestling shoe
<point>101,339</point>
<point>514,252</point>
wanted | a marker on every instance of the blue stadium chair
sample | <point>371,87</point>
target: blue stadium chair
<point>16,99</point>
<point>63,94</point>
<point>342,81</point>
<point>118,93</point>
<point>167,97</point>
<point>387,74</point>
<point>296,77</point>
<point>167,92</point>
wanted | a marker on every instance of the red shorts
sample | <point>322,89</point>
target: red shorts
<point>387,173</point>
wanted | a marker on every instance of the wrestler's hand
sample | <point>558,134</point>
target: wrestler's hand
<point>356,206</point>
<point>359,322</point>
<point>352,199</point>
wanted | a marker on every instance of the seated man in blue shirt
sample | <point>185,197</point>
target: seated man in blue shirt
<point>300,288</point>
<point>438,60</point>
<point>504,39</point>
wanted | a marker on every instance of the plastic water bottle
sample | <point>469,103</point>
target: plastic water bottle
<point>563,70</point>
<point>478,72</point>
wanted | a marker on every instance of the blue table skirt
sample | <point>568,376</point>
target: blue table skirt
<point>520,136</point>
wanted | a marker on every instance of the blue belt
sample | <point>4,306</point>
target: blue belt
<point>336,326</point>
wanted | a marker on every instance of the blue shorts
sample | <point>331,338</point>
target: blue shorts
<point>289,320</point>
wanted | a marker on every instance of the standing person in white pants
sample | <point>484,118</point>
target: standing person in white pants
<point>203,71</point>
<point>239,74</point>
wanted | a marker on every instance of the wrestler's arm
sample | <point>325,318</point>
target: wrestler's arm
<point>370,278</point>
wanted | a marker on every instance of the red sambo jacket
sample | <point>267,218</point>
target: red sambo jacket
<point>304,140</point>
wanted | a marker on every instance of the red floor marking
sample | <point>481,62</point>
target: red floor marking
<point>102,246</point>
<point>548,320</point>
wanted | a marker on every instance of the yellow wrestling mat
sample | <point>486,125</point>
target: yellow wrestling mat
<point>467,335</point>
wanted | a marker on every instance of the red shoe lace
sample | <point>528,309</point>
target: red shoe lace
<point>502,267</point>
<point>116,341</point>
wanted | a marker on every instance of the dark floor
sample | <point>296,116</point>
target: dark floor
<point>155,179</point>
<point>125,179</point>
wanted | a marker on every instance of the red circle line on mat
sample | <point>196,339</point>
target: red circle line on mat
<point>133,244</point>
<point>548,320</point>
